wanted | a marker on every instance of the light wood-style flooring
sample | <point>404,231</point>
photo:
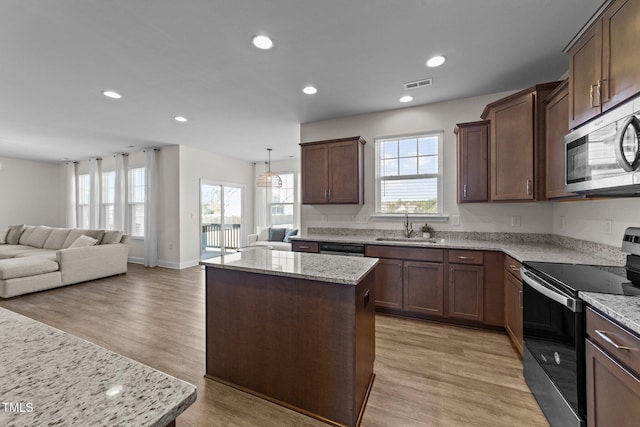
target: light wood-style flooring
<point>427,374</point>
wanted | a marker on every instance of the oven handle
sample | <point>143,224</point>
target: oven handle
<point>538,284</point>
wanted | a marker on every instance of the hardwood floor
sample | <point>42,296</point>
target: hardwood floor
<point>427,374</point>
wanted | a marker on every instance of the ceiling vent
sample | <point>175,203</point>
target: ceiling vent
<point>418,84</point>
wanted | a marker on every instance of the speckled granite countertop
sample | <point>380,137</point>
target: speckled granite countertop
<point>624,309</point>
<point>324,268</point>
<point>534,251</point>
<point>49,377</point>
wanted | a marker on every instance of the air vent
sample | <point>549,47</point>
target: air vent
<point>418,84</point>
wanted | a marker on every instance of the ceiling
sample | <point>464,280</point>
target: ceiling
<point>195,58</point>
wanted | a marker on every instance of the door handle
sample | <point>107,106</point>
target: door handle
<point>604,336</point>
<point>528,187</point>
<point>464,191</point>
<point>465,257</point>
<point>325,194</point>
<point>593,94</point>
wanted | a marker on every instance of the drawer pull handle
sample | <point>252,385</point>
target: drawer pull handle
<point>513,267</point>
<point>604,336</point>
<point>465,257</point>
<point>303,247</point>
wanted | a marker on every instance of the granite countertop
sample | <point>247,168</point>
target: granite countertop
<point>519,251</point>
<point>320,267</point>
<point>624,309</point>
<point>49,377</point>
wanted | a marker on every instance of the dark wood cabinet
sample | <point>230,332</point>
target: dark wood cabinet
<point>473,161</point>
<point>493,298</point>
<point>423,288</point>
<point>466,291</point>
<point>513,303</point>
<point>602,73</point>
<point>305,246</point>
<point>556,127</point>
<point>389,277</point>
<point>612,365</point>
<point>333,171</point>
<point>516,148</point>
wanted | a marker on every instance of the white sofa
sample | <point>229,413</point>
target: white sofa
<point>35,258</point>
<point>265,235</point>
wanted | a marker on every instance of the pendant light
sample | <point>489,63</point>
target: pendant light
<point>269,179</point>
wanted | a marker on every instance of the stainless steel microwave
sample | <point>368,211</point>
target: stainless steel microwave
<point>603,156</point>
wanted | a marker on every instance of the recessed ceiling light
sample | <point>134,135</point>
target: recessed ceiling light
<point>180,119</point>
<point>406,98</point>
<point>112,94</point>
<point>310,90</point>
<point>262,42</point>
<point>435,61</point>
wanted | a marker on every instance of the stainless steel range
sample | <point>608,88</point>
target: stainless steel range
<point>554,327</point>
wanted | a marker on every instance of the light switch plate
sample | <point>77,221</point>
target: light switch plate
<point>455,220</point>
<point>515,220</point>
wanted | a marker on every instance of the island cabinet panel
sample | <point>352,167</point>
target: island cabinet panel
<point>389,283</point>
<point>613,368</point>
<point>473,161</point>
<point>423,288</point>
<point>466,292</point>
<point>333,171</point>
<point>303,344</point>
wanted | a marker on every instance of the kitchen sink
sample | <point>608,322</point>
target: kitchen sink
<point>406,239</point>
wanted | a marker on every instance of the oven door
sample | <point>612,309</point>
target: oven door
<point>553,329</point>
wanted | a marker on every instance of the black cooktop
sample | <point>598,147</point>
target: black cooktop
<point>586,278</point>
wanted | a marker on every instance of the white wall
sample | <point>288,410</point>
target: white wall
<point>534,217</point>
<point>194,165</point>
<point>32,193</point>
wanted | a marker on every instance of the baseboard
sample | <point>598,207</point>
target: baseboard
<point>166,264</point>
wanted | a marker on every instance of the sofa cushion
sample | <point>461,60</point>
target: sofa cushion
<point>39,236</point>
<point>111,237</point>
<point>9,251</point>
<point>277,234</point>
<point>22,267</point>
<point>96,234</point>
<point>15,231</point>
<point>46,253</point>
<point>56,238</point>
<point>278,246</point>
<point>3,235</point>
<point>263,233</point>
<point>28,229</point>
<point>290,233</point>
<point>83,242</point>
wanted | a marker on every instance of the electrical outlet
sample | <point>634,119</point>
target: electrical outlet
<point>455,220</point>
<point>325,218</point>
<point>608,225</point>
<point>515,220</point>
<point>562,224</point>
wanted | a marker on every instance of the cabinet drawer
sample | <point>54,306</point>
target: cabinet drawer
<point>617,341</point>
<point>512,266</point>
<point>466,257</point>
<point>405,253</point>
<point>303,246</point>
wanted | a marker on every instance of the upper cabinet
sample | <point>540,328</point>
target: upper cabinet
<point>333,171</point>
<point>517,144</point>
<point>557,126</point>
<point>602,69</point>
<point>473,153</point>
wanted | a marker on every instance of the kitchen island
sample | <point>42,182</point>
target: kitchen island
<point>296,329</point>
<point>49,377</point>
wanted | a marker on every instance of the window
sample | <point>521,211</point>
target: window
<point>108,199</point>
<point>408,174</point>
<point>136,201</point>
<point>281,202</point>
<point>84,193</point>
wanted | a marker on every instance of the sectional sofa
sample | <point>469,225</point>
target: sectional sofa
<point>35,258</point>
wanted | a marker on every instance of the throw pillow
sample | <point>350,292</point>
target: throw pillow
<point>96,234</point>
<point>39,236</point>
<point>15,231</point>
<point>277,234</point>
<point>263,233</point>
<point>111,237</point>
<point>3,235</point>
<point>83,242</point>
<point>290,233</point>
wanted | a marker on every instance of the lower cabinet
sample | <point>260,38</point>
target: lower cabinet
<point>513,303</point>
<point>612,365</point>
<point>423,288</point>
<point>466,292</point>
<point>389,274</point>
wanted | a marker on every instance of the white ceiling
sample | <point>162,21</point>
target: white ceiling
<point>195,58</point>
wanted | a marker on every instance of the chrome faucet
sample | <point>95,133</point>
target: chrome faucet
<point>408,227</point>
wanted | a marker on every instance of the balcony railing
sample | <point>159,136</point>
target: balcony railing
<point>211,235</point>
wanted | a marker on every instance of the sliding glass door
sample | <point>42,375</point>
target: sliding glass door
<point>221,211</point>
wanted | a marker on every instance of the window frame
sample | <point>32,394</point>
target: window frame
<point>436,216</point>
<point>270,204</point>
<point>132,204</point>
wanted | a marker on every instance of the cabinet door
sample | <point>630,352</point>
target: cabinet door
<point>344,172</point>
<point>512,150</point>
<point>613,392</point>
<point>493,289</point>
<point>557,126</point>
<point>584,72</point>
<point>473,153</point>
<point>315,178</point>
<point>424,288</point>
<point>513,309</point>
<point>466,292</point>
<point>389,283</point>
<point>620,64</point>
